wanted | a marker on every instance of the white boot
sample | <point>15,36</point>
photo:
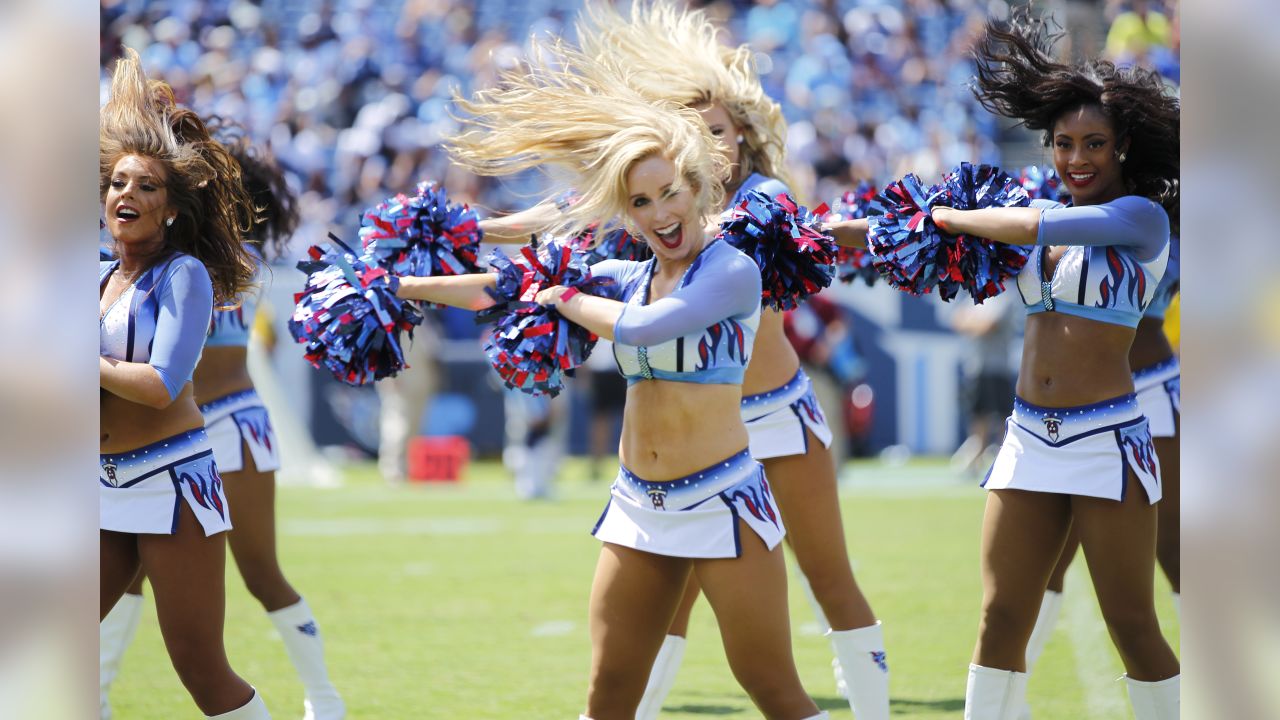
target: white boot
<point>994,694</point>
<point>1158,700</point>
<point>297,627</point>
<point>661,677</point>
<point>865,668</point>
<point>255,709</point>
<point>824,627</point>
<point>1046,621</point>
<point>115,633</point>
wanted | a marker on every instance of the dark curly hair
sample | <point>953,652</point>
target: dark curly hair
<point>274,203</point>
<point>1019,78</point>
<point>142,118</point>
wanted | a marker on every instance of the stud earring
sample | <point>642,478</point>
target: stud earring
<point>741,139</point>
<point>168,222</point>
<point>1121,157</point>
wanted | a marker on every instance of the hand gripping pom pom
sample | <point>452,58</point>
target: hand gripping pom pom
<point>532,346</point>
<point>914,255</point>
<point>349,316</point>
<point>1043,184</point>
<point>854,263</point>
<point>796,260</point>
<point>423,235</point>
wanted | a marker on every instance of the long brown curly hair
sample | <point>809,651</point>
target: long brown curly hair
<point>214,209</point>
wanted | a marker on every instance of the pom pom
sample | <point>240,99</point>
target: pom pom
<point>796,259</point>
<point>914,255</point>
<point>532,346</point>
<point>615,244</point>
<point>1043,184</point>
<point>853,263</point>
<point>349,316</point>
<point>424,235</point>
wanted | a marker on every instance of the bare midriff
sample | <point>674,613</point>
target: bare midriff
<point>126,425</point>
<point>674,429</point>
<point>773,361</point>
<point>1150,345</point>
<point>221,372</point>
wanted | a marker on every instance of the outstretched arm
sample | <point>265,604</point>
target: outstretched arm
<point>848,233</point>
<point>515,229</point>
<point>597,314</point>
<point>1130,221</point>
<point>460,291</point>
<point>1012,226</point>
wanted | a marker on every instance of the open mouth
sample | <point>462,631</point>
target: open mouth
<point>670,236</point>
<point>124,213</point>
<point>1081,179</point>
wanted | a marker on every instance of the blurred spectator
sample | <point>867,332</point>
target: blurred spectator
<point>989,376</point>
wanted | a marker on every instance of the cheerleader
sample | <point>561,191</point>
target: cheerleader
<point>174,206</point>
<point>246,451</point>
<point>1078,449</point>
<point>674,55</point>
<point>1157,384</point>
<point>688,499</point>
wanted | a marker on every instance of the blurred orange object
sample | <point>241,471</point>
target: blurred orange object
<point>438,459</point>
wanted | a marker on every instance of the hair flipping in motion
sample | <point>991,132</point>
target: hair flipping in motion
<point>564,111</point>
<point>675,54</point>
<point>274,203</point>
<point>142,118</point>
<point>1019,78</point>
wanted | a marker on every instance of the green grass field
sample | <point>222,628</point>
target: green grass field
<point>460,601</point>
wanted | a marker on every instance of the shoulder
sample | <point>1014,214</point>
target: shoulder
<point>731,265</point>
<point>762,183</point>
<point>624,272</point>
<point>1044,204</point>
<point>1143,211</point>
<point>183,272</point>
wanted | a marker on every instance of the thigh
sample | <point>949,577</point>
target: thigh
<point>1023,534</point>
<point>187,575</point>
<point>1119,541</point>
<point>633,597</point>
<point>1170,454</point>
<point>1058,578</point>
<point>749,597</point>
<point>252,497</point>
<point>117,567</point>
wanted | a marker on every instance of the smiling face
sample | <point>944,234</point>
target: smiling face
<point>137,202</point>
<point>726,133</point>
<point>1084,154</point>
<point>668,219</point>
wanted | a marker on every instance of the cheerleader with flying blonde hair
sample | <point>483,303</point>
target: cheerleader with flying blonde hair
<point>688,498</point>
<point>672,54</point>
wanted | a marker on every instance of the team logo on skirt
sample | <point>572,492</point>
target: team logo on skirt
<point>110,470</point>
<point>658,497</point>
<point>1052,425</point>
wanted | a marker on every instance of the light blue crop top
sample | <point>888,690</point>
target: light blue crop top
<point>161,319</point>
<point>701,333</point>
<point>1116,256</point>
<point>230,326</point>
<point>1168,286</point>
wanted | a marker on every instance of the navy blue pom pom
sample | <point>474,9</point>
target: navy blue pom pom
<point>854,263</point>
<point>349,316</point>
<point>914,255</point>
<point>795,258</point>
<point>422,235</point>
<point>532,346</point>
<point>1043,183</point>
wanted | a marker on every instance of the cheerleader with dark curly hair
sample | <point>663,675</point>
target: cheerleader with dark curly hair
<point>175,207</point>
<point>1078,451</point>
<point>245,448</point>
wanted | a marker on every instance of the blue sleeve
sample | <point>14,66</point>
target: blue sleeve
<point>185,309</point>
<point>727,287</point>
<point>1131,221</point>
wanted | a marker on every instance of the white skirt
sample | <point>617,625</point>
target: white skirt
<point>1159,390</point>
<point>236,420</point>
<point>695,516</point>
<point>776,420</point>
<point>141,490</point>
<point>1087,450</point>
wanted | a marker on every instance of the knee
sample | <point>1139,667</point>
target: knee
<point>768,691</point>
<point>615,691</point>
<point>267,584</point>
<point>1169,554</point>
<point>1133,626</point>
<point>202,669</point>
<point>1004,619</point>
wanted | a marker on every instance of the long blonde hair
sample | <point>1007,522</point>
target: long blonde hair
<point>669,53</point>
<point>561,110</point>
<point>142,118</point>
